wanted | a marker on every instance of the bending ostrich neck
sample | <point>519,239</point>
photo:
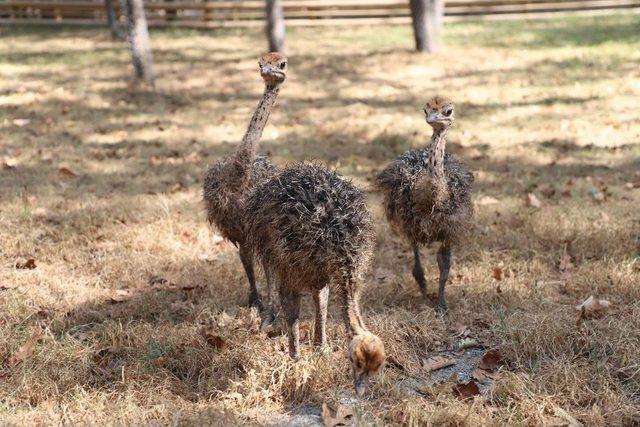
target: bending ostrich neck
<point>353,319</point>
<point>436,159</point>
<point>246,153</point>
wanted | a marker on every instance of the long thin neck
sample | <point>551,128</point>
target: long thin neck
<point>353,319</point>
<point>437,147</point>
<point>246,152</point>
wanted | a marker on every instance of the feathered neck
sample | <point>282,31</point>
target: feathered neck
<point>246,152</point>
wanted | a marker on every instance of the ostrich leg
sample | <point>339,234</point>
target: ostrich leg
<point>272,304</point>
<point>321,300</point>
<point>418,272</point>
<point>444,262</point>
<point>291,307</point>
<point>247,262</point>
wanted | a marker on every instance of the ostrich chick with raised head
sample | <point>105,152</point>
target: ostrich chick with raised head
<point>427,196</point>
<point>313,229</point>
<point>228,182</point>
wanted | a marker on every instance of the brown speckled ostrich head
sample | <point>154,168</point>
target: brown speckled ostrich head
<point>439,112</point>
<point>367,356</point>
<point>273,68</point>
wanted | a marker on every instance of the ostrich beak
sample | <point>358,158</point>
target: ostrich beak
<point>432,117</point>
<point>361,384</point>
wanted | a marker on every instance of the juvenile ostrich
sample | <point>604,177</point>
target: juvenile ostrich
<point>228,182</point>
<point>313,229</point>
<point>427,195</point>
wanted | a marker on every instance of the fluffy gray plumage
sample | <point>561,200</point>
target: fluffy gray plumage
<point>412,215</point>
<point>310,225</point>
<point>225,197</point>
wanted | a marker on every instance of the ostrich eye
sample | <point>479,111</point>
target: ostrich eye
<point>448,112</point>
<point>283,65</point>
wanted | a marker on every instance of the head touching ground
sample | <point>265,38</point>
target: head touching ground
<point>439,112</point>
<point>367,356</point>
<point>273,68</point>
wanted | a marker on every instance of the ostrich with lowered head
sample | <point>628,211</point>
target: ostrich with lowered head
<point>427,196</point>
<point>313,229</point>
<point>228,182</point>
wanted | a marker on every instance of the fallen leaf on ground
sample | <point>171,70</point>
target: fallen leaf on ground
<point>9,163</point>
<point>213,339</point>
<point>305,332</point>
<point>466,390</point>
<point>487,200</point>
<point>497,273</point>
<point>483,376</point>
<point>392,362</point>
<point>26,350</point>
<point>565,264</point>
<point>157,280</point>
<point>25,263</point>
<point>66,172</point>
<point>593,307</point>
<point>21,122</point>
<point>467,342</point>
<point>491,360</point>
<point>434,363</point>
<point>533,201</point>
<point>462,329</point>
<point>120,295</point>
<point>338,416</point>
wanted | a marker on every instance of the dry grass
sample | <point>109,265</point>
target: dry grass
<point>549,107</point>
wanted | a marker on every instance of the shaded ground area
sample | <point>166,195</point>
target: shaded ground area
<point>134,311</point>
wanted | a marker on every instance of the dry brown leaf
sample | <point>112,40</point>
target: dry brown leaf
<point>305,332</point>
<point>593,307</point>
<point>466,390</point>
<point>468,342</point>
<point>157,280</point>
<point>25,263</point>
<point>120,295</point>
<point>483,376</point>
<point>565,265</point>
<point>216,341</point>
<point>461,329</point>
<point>533,201</point>
<point>9,163</point>
<point>66,172</point>
<point>337,416</point>
<point>491,360</point>
<point>5,286</point>
<point>434,363</point>
<point>497,273</point>
<point>487,200</point>
<point>21,122</point>
<point>26,350</point>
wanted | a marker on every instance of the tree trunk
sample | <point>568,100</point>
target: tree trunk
<point>275,26</point>
<point>427,22</point>
<point>139,43</point>
<point>112,20</point>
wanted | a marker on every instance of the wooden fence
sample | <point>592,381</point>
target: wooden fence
<point>238,13</point>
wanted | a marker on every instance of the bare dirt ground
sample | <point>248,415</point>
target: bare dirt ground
<point>132,310</point>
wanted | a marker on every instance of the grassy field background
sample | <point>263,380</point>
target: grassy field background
<point>135,310</point>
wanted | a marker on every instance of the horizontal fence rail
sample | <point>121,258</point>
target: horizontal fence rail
<point>238,13</point>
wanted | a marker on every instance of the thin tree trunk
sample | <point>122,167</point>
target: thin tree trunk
<point>139,43</point>
<point>112,20</point>
<point>427,22</point>
<point>275,26</point>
